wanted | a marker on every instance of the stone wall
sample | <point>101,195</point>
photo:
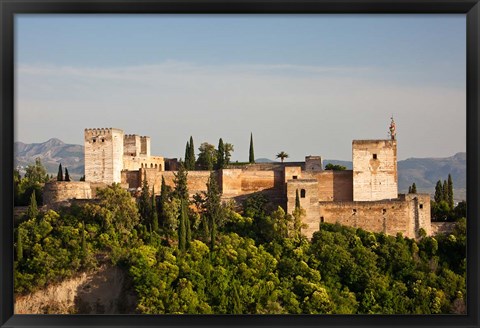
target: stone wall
<point>58,191</point>
<point>374,170</point>
<point>335,185</point>
<point>133,163</point>
<point>406,215</point>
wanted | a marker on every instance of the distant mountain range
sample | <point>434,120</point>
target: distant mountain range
<point>425,172</point>
<point>51,153</point>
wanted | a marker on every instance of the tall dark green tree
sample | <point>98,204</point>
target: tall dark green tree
<point>228,152</point>
<point>60,173</point>
<point>438,197</point>
<point>414,188</point>
<point>191,155</point>
<point>213,208</point>
<point>181,187</point>
<point>182,227</point>
<point>220,155</point>
<point>67,175</point>
<point>19,244</point>
<point>450,191</point>
<point>145,204</point>
<point>187,156</point>
<point>251,155</point>
<point>84,244</point>
<point>154,212</point>
<point>32,209</point>
<point>445,191</point>
<point>297,200</point>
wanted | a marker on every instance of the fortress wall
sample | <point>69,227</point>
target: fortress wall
<point>58,191</point>
<point>334,185</point>
<point>389,217</point>
<point>237,182</point>
<point>196,180</point>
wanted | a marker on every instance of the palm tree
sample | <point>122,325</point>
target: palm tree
<point>282,155</point>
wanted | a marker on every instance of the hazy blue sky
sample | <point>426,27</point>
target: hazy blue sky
<point>303,84</point>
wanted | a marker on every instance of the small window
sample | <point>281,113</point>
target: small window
<point>295,177</point>
<point>156,166</point>
<point>384,211</point>
<point>421,206</point>
<point>374,156</point>
<point>103,140</point>
<point>322,219</point>
<point>302,193</point>
<point>94,140</point>
<point>354,211</point>
<point>151,165</point>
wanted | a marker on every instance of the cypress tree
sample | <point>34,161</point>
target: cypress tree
<point>19,244</point>
<point>450,191</point>
<point>438,192</point>
<point>188,229</point>
<point>182,229</point>
<point>84,243</point>
<point>154,212</point>
<point>67,176</point>
<point>414,188</point>
<point>251,157</point>
<point>181,188</point>
<point>187,156</point>
<point>220,155</point>
<point>409,189</point>
<point>163,200</point>
<point>32,210</point>
<point>445,191</point>
<point>213,208</point>
<point>191,155</point>
<point>297,200</point>
<point>144,203</point>
<point>60,173</point>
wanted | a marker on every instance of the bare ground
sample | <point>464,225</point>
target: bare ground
<point>104,291</point>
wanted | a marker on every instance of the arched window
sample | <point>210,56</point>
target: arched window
<point>151,165</point>
<point>302,193</point>
<point>156,166</point>
<point>142,165</point>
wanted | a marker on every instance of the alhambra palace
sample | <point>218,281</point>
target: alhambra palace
<point>365,197</point>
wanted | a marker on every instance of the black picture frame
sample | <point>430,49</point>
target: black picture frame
<point>8,8</point>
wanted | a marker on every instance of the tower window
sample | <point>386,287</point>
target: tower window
<point>354,211</point>
<point>295,177</point>
<point>322,219</point>
<point>374,156</point>
<point>384,211</point>
<point>302,193</point>
<point>94,140</point>
<point>421,206</point>
<point>103,140</point>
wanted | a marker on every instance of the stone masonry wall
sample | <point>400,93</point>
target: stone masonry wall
<point>58,191</point>
<point>308,195</point>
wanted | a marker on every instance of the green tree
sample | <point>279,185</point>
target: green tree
<point>154,211</point>
<point>450,191</point>
<point>82,178</point>
<point>67,176</point>
<point>180,181</point>
<point>282,155</point>
<point>36,174</point>
<point>145,203</point>
<point>32,210</point>
<point>60,173</point>
<point>297,200</point>
<point>191,155</point>
<point>445,191</point>
<point>187,156</point>
<point>182,227</point>
<point>414,188</point>
<point>438,197</point>
<point>228,152</point>
<point>213,208</point>
<point>84,244</point>
<point>207,156</point>
<point>335,167</point>
<point>19,244</point>
<point>251,156</point>
<point>220,155</point>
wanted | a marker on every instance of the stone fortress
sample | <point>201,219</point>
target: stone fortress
<point>365,197</point>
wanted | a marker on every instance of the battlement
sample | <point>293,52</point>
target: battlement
<point>91,132</point>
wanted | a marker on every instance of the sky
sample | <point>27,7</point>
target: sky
<point>303,84</point>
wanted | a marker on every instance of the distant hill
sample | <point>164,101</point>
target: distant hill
<point>425,172</point>
<point>51,153</point>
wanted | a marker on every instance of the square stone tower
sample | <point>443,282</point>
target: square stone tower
<point>374,170</point>
<point>103,155</point>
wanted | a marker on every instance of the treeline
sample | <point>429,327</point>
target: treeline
<point>203,256</point>
<point>443,207</point>
<point>209,157</point>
